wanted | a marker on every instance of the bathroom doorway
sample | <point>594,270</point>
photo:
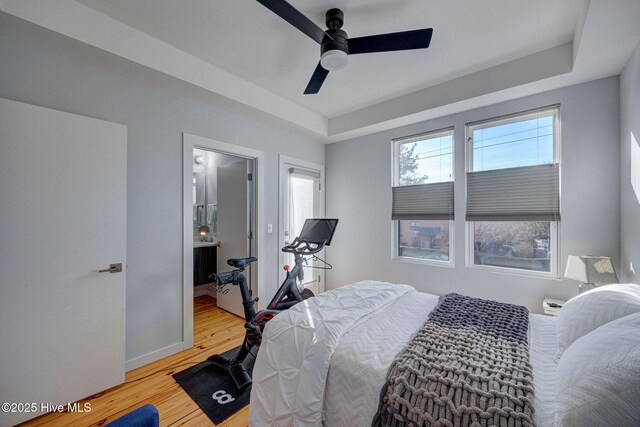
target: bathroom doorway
<point>222,221</point>
<point>223,196</point>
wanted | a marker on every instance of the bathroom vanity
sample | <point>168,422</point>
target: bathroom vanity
<point>205,260</point>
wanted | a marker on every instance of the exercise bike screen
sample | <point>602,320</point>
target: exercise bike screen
<point>318,230</point>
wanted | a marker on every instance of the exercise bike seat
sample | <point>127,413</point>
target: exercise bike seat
<point>241,263</point>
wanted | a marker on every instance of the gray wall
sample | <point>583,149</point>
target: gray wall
<point>156,119</point>
<point>210,170</point>
<point>630,199</point>
<point>359,193</point>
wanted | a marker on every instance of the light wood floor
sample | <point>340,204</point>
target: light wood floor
<point>215,331</point>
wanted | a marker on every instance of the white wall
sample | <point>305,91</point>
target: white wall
<point>630,157</point>
<point>359,194</point>
<point>39,72</point>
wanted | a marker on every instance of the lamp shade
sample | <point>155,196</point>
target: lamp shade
<point>203,230</point>
<point>591,269</point>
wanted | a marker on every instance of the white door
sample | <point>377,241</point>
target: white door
<point>302,191</point>
<point>232,228</point>
<point>62,218</point>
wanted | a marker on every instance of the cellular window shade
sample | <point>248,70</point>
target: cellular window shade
<point>530,193</point>
<point>424,201</point>
<point>312,174</point>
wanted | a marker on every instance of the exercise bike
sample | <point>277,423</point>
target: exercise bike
<point>315,235</point>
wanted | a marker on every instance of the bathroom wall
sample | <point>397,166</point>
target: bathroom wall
<point>209,168</point>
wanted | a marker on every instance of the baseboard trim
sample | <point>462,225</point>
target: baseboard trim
<point>201,290</point>
<point>145,359</point>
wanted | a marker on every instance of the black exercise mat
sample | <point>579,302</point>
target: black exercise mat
<point>212,389</point>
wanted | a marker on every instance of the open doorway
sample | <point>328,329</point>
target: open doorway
<point>301,197</point>
<point>222,222</point>
<point>223,196</point>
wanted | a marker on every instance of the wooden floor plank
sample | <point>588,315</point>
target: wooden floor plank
<point>215,331</point>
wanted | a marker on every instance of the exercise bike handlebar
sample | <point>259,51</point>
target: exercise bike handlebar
<point>303,247</point>
<point>225,278</point>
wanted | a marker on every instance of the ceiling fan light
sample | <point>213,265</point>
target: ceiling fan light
<point>333,60</point>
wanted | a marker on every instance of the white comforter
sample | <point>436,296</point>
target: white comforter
<point>290,372</point>
<point>326,362</point>
<point>361,362</point>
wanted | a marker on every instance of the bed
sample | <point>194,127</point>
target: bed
<point>326,361</point>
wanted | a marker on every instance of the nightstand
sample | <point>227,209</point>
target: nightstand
<point>552,306</point>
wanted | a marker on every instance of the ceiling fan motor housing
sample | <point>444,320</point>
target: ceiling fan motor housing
<point>334,53</point>
<point>334,50</point>
<point>339,41</point>
<point>334,18</point>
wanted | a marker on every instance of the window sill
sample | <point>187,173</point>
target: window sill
<point>409,260</point>
<point>515,272</point>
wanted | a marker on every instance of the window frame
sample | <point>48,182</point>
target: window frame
<point>395,178</point>
<point>554,235</point>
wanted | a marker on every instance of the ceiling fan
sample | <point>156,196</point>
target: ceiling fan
<point>335,45</point>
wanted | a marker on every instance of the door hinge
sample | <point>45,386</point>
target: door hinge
<point>250,235</point>
<point>319,279</point>
<point>249,177</point>
<point>319,187</point>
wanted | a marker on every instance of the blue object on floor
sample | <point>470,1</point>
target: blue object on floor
<point>144,416</point>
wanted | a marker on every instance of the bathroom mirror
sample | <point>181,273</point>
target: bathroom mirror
<point>199,192</point>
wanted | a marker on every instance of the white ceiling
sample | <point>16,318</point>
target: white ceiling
<point>246,39</point>
<point>237,54</point>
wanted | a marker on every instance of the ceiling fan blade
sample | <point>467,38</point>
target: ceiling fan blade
<point>290,14</point>
<point>405,40</point>
<point>316,80</point>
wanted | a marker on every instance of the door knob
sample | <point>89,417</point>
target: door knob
<point>113,268</point>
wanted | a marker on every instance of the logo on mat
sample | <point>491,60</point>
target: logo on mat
<point>222,397</point>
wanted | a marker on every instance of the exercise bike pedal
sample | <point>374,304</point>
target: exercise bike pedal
<point>240,376</point>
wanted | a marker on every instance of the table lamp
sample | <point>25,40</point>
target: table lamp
<point>590,270</point>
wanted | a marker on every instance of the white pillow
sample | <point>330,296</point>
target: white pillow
<point>588,311</point>
<point>598,377</point>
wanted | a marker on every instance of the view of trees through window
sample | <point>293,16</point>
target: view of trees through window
<point>524,245</point>
<point>408,166</point>
<point>426,161</point>
<point>519,141</point>
<point>426,239</point>
<point>516,141</point>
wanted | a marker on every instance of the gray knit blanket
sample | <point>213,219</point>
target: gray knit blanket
<point>467,366</point>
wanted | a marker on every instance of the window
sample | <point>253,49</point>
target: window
<point>513,192</point>
<point>423,197</point>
